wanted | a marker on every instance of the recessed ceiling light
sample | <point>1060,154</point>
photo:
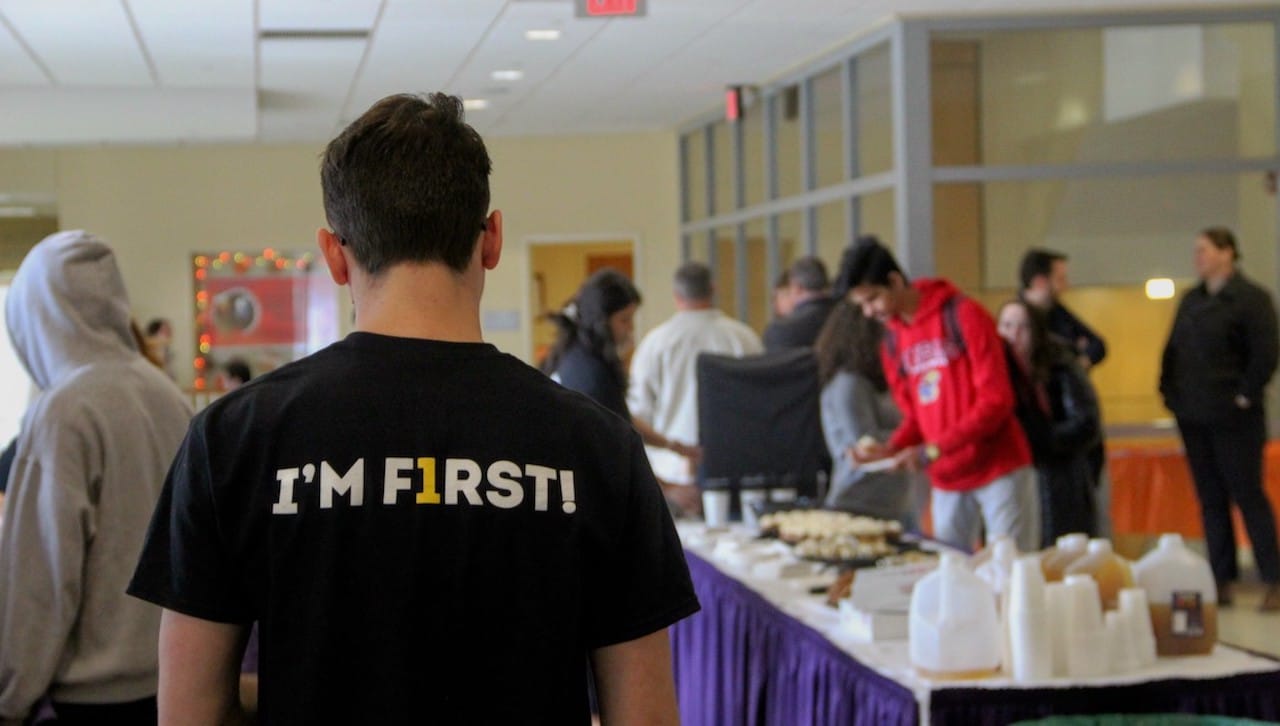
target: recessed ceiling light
<point>475,104</point>
<point>1159,288</point>
<point>543,34</point>
<point>510,74</point>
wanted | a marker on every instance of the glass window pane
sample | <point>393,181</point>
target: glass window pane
<point>761,288</point>
<point>1117,234</point>
<point>725,270</point>
<point>698,248</point>
<point>873,111</point>
<point>753,151</point>
<point>722,138</point>
<point>790,239</point>
<point>1106,94</point>
<point>695,174</point>
<point>877,216</point>
<point>828,127</point>
<point>1123,231</point>
<point>786,110</point>
<point>833,235</point>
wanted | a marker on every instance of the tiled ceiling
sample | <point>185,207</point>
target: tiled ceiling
<point>200,71</point>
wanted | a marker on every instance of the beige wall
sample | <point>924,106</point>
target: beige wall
<point>158,205</point>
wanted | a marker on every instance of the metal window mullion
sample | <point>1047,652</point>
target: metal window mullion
<point>682,152</point>
<point>858,187</point>
<point>741,271</point>
<point>913,147</point>
<point>808,165</point>
<point>770,135</point>
<point>739,165</point>
<point>773,258</point>
<point>852,129</point>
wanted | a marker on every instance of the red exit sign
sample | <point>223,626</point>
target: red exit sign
<point>609,8</point>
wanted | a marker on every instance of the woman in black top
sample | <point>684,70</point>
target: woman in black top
<point>1058,409</point>
<point>1221,353</point>
<point>596,330</point>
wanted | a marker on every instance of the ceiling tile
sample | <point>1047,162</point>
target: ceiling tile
<point>317,14</point>
<point>198,43</point>
<point>16,65</point>
<point>82,42</point>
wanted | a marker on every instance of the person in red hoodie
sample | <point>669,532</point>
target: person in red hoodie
<point>947,369</point>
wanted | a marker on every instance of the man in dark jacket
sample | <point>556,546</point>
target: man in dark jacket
<point>1220,354</point>
<point>811,304</point>
<point>1043,274</point>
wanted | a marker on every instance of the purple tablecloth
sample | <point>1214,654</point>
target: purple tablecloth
<point>742,661</point>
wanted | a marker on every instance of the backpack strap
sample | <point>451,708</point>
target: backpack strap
<point>891,348</point>
<point>951,323</point>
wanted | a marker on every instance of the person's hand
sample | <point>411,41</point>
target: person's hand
<point>687,497</point>
<point>910,459</point>
<point>867,450</point>
<point>692,453</point>
<point>1242,402</point>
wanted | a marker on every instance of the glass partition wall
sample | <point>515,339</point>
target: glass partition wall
<point>961,142</point>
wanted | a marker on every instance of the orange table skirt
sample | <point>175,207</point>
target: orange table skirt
<point>1152,491</point>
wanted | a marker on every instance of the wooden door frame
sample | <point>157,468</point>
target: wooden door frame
<point>528,242</point>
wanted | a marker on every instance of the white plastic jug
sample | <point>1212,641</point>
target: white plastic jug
<point>1182,595</point>
<point>953,631</point>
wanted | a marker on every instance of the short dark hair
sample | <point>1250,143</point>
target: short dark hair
<point>808,273</point>
<point>865,262</point>
<point>692,281</point>
<point>784,280</point>
<point>1038,261</point>
<point>238,369</point>
<point>1223,239</point>
<point>408,181</point>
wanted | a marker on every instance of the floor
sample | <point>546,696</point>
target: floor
<point>1242,624</point>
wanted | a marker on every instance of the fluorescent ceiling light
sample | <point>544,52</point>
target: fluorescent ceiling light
<point>542,34</point>
<point>510,74</point>
<point>1159,288</point>
<point>17,211</point>
<point>475,104</point>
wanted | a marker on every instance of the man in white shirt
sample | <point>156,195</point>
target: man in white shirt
<point>663,390</point>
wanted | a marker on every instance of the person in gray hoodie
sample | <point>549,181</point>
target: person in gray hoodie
<point>90,461</point>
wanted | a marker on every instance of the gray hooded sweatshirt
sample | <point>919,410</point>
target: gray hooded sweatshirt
<point>92,456</point>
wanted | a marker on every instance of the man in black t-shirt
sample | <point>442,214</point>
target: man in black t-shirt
<point>427,530</point>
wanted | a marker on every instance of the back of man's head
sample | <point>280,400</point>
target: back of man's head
<point>865,262</point>
<point>809,274</point>
<point>1036,262</point>
<point>692,282</point>
<point>408,181</point>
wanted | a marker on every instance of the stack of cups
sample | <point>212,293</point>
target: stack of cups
<point>749,498</point>
<point>1055,601</point>
<point>715,506</point>
<point>1087,651</point>
<point>1121,654</point>
<point>1137,618</point>
<point>1027,619</point>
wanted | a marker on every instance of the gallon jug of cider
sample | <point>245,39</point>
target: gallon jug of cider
<point>1182,595</point>
<point>1070,547</point>
<point>953,631</point>
<point>1109,570</point>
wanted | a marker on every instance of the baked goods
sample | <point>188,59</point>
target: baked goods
<point>797,525</point>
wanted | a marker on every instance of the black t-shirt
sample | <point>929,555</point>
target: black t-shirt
<point>428,532</point>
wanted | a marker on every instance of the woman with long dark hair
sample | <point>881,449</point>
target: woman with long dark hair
<point>856,404</point>
<point>1058,409</point>
<point>595,331</point>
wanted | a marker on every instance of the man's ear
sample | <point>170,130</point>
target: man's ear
<point>333,250</point>
<point>491,240</point>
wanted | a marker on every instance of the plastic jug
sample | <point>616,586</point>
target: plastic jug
<point>998,567</point>
<point>1182,595</point>
<point>953,630</point>
<point>1055,560</point>
<point>1109,570</point>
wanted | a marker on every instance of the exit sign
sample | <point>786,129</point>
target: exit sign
<point>609,8</point>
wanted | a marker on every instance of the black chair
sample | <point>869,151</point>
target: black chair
<point>760,423</point>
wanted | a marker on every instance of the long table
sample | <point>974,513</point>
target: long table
<point>764,652</point>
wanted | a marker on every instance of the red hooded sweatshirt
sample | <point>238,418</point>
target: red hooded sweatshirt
<point>957,399</point>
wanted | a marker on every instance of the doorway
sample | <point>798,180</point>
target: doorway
<point>557,269</point>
